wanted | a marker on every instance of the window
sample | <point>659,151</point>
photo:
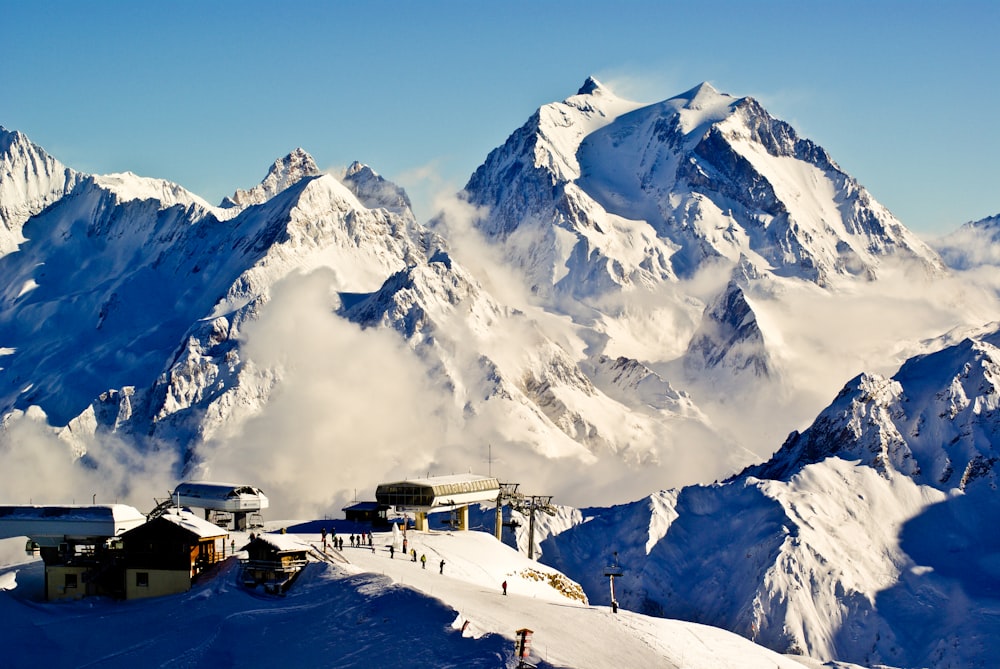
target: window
<point>142,579</point>
<point>71,581</point>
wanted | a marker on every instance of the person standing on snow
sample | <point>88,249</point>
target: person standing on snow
<point>392,552</point>
<point>504,586</point>
<point>423,561</point>
<point>441,567</point>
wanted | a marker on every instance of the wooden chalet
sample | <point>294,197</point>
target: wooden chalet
<point>274,561</point>
<point>165,555</point>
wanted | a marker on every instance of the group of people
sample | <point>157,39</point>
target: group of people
<point>366,540</point>
<point>413,555</point>
<point>357,541</point>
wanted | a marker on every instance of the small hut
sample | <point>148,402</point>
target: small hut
<point>274,561</point>
<point>367,512</point>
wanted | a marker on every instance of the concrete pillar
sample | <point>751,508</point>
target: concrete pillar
<point>420,522</point>
<point>463,518</point>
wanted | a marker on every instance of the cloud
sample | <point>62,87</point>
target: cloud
<point>41,468</point>
<point>351,406</point>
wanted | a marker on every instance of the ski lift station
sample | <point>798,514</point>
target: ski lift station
<point>53,526</point>
<point>222,502</point>
<point>438,493</point>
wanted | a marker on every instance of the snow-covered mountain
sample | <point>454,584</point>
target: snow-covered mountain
<point>316,222</point>
<point>865,538</point>
<point>126,309</point>
<point>688,235</point>
<point>595,194</point>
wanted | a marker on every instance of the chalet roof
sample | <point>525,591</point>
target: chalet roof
<point>363,506</point>
<point>284,543</point>
<point>193,524</point>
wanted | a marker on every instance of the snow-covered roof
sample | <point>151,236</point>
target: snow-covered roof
<point>363,506</point>
<point>53,524</point>
<point>71,512</point>
<point>220,496</point>
<point>194,524</point>
<point>284,542</point>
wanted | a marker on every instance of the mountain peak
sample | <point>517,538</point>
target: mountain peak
<point>284,172</point>
<point>591,86</point>
<point>293,167</point>
<point>30,180</point>
<point>701,95</point>
<point>7,137</point>
<point>372,190</point>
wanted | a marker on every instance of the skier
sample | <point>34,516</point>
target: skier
<point>413,554</point>
<point>504,586</point>
<point>441,567</point>
<point>423,561</point>
<point>392,552</point>
<point>324,539</point>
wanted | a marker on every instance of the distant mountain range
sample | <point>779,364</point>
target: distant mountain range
<point>636,298</point>
<point>866,538</point>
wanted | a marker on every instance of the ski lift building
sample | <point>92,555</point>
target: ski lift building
<point>425,495</point>
<point>77,543</point>
<point>226,501</point>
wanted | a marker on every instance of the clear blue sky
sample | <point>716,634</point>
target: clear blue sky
<point>904,95</point>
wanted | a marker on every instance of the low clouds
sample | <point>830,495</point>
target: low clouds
<point>351,405</point>
<point>41,468</point>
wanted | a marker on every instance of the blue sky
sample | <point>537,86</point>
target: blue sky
<point>903,95</point>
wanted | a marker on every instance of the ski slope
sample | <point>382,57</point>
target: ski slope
<point>368,611</point>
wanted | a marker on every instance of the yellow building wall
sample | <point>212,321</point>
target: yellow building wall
<point>161,582</point>
<point>55,580</point>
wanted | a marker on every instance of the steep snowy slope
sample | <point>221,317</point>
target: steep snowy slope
<point>317,222</point>
<point>847,543</point>
<point>30,180</point>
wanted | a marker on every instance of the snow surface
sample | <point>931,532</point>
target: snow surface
<point>364,609</point>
